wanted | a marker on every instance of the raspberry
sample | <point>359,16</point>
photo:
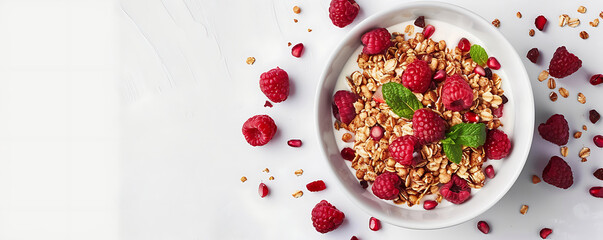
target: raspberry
<point>456,191</point>
<point>402,149</point>
<point>457,95</point>
<point>386,186</point>
<point>563,63</point>
<point>259,130</point>
<point>376,41</point>
<point>343,12</point>
<point>558,173</point>
<point>540,22</point>
<point>428,126</point>
<point>417,76</point>
<point>497,144</point>
<point>343,106</point>
<point>275,84</point>
<point>555,130</point>
<point>326,217</point>
<point>316,186</point>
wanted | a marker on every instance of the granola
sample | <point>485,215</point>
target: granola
<point>425,176</point>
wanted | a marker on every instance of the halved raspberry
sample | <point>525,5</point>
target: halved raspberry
<point>275,84</point>
<point>326,217</point>
<point>376,41</point>
<point>457,95</point>
<point>558,173</point>
<point>428,126</point>
<point>555,130</point>
<point>343,12</point>
<point>343,106</point>
<point>386,186</point>
<point>563,63</point>
<point>402,149</point>
<point>417,76</point>
<point>259,130</point>
<point>497,144</point>
<point>456,191</point>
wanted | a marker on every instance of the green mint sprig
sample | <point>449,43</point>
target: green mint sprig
<point>400,99</point>
<point>463,134</point>
<point>478,54</point>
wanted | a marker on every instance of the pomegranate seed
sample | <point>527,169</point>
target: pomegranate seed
<point>533,55</point>
<point>268,104</point>
<point>430,204</point>
<point>498,112</point>
<point>540,22</point>
<point>316,186</point>
<point>378,96</point>
<point>598,141</point>
<point>420,22</point>
<point>464,45</point>
<point>297,50</point>
<point>263,190</point>
<point>483,227</point>
<point>596,79</point>
<point>377,132</point>
<point>294,143</point>
<point>493,63</point>
<point>479,70</point>
<point>374,224</point>
<point>596,192</point>
<point>428,31</point>
<point>471,117</point>
<point>490,172</point>
<point>544,233</point>
<point>354,238</point>
<point>348,154</point>
<point>594,116</point>
<point>599,173</point>
<point>439,75</point>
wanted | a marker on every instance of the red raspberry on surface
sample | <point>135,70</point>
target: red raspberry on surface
<point>387,186</point>
<point>343,106</point>
<point>428,126</point>
<point>402,149</point>
<point>555,130</point>
<point>417,76</point>
<point>326,217</point>
<point>497,144</point>
<point>457,95</point>
<point>376,41</point>
<point>563,63</point>
<point>343,12</point>
<point>558,173</point>
<point>259,130</point>
<point>456,191</point>
<point>275,84</point>
<point>316,186</point>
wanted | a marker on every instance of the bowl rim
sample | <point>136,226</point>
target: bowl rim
<point>356,30</point>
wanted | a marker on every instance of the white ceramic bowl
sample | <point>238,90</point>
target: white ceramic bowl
<point>518,117</point>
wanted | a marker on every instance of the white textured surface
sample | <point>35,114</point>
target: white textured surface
<point>68,171</point>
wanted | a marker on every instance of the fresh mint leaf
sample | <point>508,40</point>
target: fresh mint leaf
<point>478,54</point>
<point>453,152</point>
<point>468,134</point>
<point>400,99</point>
